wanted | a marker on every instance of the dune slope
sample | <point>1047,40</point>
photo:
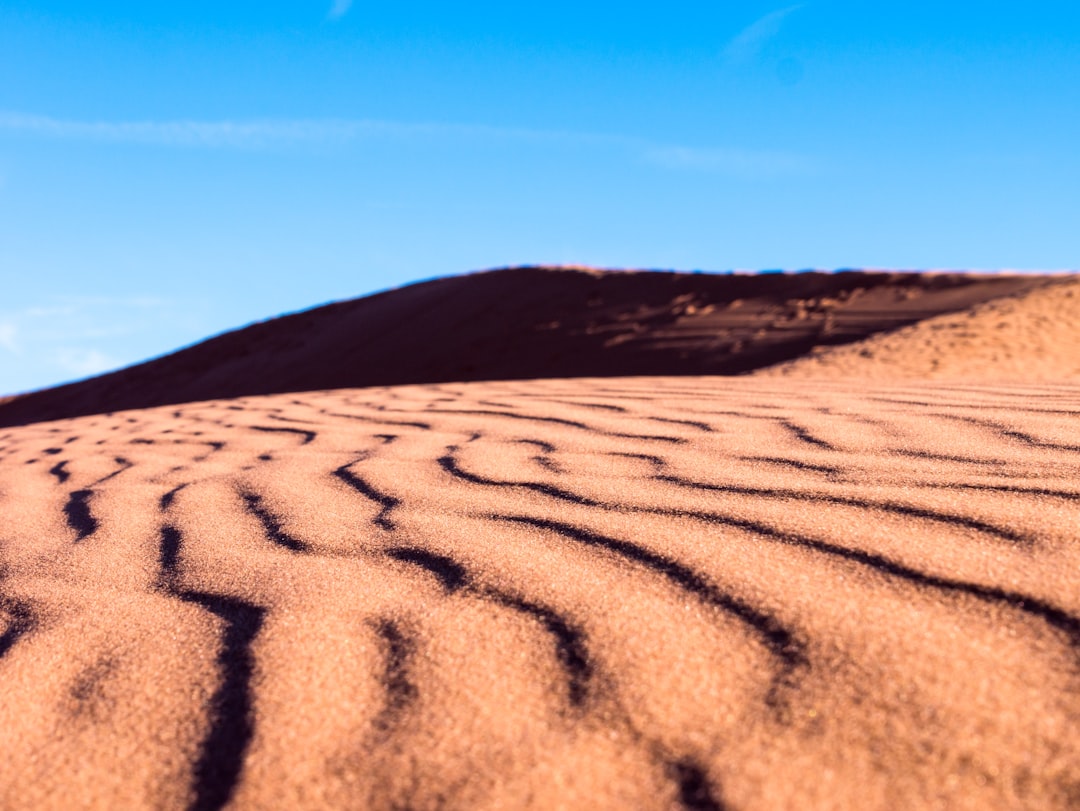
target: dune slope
<point>529,323</point>
<point>1033,336</point>
<point>643,593</point>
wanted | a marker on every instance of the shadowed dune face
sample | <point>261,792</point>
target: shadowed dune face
<point>640,593</point>
<point>527,323</point>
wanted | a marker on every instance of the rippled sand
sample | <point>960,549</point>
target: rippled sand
<point>628,593</point>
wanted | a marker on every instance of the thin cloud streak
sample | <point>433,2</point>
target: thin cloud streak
<point>750,164</point>
<point>749,42</point>
<point>188,133</point>
<point>284,133</point>
<point>240,134</point>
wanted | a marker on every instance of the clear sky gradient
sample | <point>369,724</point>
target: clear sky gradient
<point>169,170</point>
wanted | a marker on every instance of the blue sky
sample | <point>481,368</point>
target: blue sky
<point>169,170</point>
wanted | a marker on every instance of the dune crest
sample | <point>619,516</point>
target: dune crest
<point>526,323</point>
<point>686,593</point>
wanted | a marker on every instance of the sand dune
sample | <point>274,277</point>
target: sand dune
<point>626,593</point>
<point>1031,336</point>
<point>266,587</point>
<point>527,323</point>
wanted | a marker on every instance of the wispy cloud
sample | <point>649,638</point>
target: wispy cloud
<point>74,336</point>
<point>749,42</point>
<point>254,133</point>
<point>749,164</point>
<point>80,361</point>
<point>744,162</point>
<point>190,133</point>
<point>7,337</point>
<point>339,9</point>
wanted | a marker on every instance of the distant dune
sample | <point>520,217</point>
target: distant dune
<point>532,323</point>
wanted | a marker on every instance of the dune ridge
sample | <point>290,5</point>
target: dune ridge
<point>687,593</point>
<point>527,323</point>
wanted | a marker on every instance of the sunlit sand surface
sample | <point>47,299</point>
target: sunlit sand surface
<point>697,593</point>
<point>1034,336</point>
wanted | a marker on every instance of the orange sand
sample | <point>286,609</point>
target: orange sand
<point>1032,336</point>
<point>625,593</point>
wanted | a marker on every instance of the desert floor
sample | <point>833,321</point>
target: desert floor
<point>603,593</point>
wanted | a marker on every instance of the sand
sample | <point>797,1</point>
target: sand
<point>1030,336</point>
<point>696,592</point>
<point>511,540</point>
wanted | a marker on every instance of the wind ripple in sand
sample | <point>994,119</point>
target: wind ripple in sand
<point>652,593</point>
